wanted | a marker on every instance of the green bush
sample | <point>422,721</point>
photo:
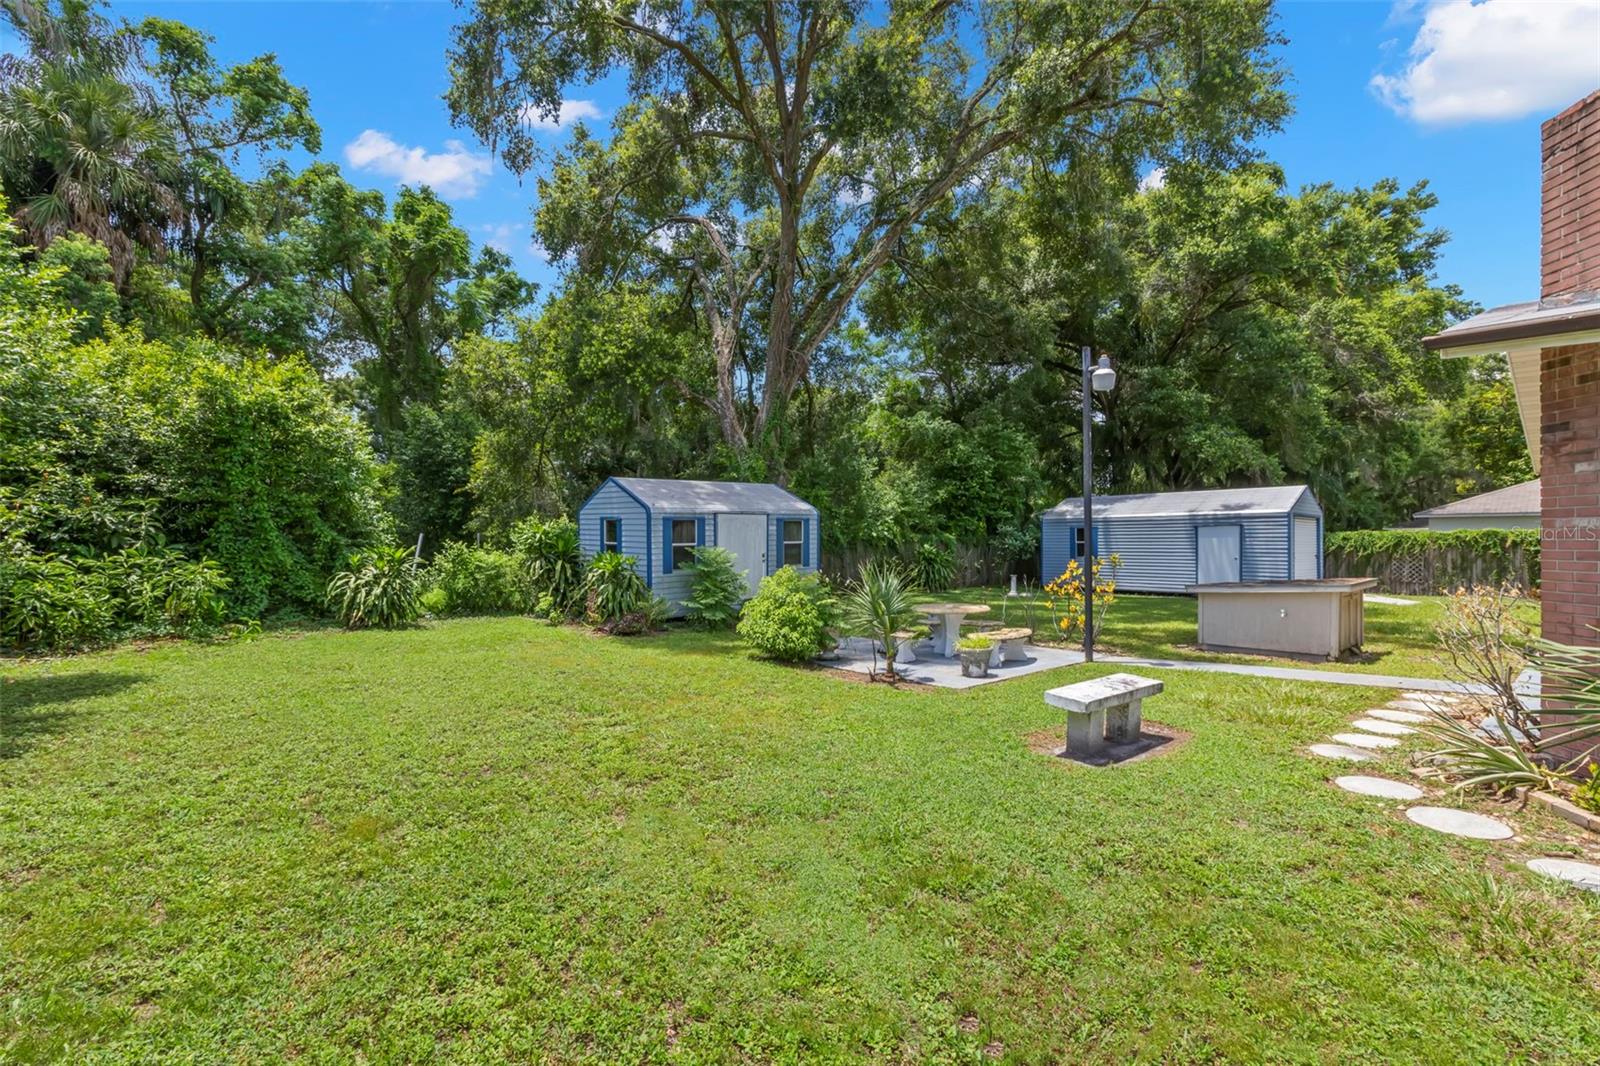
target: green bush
<point>613,589</point>
<point>789,616</point>
<point>75,602</point>
<point>717,588</point>
<point>554,562</point>
<point>381,588</point>
<point>934,567</point>
<point>479,580</point>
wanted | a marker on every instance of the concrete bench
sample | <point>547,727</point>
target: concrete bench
<point>1008,643</point>
<point>1103,711</point>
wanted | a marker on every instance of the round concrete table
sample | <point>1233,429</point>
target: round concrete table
<point>950,616</point>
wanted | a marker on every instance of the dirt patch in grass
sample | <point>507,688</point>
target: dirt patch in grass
<point>1052,742</point>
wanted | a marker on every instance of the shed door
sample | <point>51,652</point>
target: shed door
<point>746,536</point>
<point>1305,548</point>
<point>1219,554</point>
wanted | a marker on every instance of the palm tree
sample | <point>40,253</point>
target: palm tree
<point>80,152</point>
<point>83,147</point>
<point>879,604</point>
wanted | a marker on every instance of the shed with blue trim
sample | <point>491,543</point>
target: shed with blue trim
<point>660,521</point>
<point>1171,540</point>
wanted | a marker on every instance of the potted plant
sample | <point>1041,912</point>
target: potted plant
<point>976,653</point>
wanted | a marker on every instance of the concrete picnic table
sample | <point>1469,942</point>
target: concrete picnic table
<point>950,616</point>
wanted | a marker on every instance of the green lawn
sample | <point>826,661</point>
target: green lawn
<point>1399,639</point>
<point>490,840</point>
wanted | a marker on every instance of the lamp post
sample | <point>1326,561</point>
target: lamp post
<point>1096,378</point>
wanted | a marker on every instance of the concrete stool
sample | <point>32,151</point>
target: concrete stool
<point>1104,711</point>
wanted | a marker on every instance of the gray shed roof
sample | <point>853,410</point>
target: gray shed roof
<point>1270,499</point>
<point>1520,499</point>
<point>708,497</point>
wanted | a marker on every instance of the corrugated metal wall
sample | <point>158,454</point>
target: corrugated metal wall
<point>1158,551</point>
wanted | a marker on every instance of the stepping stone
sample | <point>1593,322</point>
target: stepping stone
<point>1411,705</point>
<point>1339,751</point>
<point>1436,697</point>
<point>1365,740</point>
<point>1491,729</point>
<point>1459,823</point>
<point>1387,729</point>
<point>1396,716</point>
<point>1583,874</point>
<point>1381,787</point>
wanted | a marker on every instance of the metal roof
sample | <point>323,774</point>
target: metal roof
<point>707,497</point>
<point>1520,499</point>
<point>1268,499</point>
<point>1521,321</point>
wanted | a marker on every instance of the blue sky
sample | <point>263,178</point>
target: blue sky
<point>1450,92</point>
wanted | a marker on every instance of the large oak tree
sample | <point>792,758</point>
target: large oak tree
<point>777,154</point>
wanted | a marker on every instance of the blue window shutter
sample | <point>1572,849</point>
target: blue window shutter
<point>805,542</point>
<point>700,531</point>
<point>666,545</point>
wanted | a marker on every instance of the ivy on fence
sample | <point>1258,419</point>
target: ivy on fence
<point>1442,559</point>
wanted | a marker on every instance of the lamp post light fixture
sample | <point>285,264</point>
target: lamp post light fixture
<point>1097,377</point>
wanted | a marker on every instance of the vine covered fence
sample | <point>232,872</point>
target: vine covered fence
<point>1424,562</point>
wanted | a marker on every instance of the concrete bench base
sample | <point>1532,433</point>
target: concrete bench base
<point>1103,712</point>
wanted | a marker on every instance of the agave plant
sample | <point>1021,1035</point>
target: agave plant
<point>879,604</point>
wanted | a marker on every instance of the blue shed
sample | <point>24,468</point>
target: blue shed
<point>659,521</point>
<point>1170,540</point>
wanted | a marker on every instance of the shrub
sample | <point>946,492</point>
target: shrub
<point>879,605</point>
<point>934,567</point>
<point>381,588</point>
<point>613,589</point>
<point>554,561</point>
<point>717,589</point>
<point>789,616</point>
<point>63,603</point>
<point>479,580</point>
<point>1587,793</point>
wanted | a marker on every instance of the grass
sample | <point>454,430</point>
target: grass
<point>490,840</point>
<point>1399,639</point>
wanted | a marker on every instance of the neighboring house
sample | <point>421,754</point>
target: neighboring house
<point>1513,507</point>
<point>1171,540</point>
<point>1553,347</point>
<point>660,521</point>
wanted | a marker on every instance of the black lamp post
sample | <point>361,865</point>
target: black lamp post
<point>1097,377</point>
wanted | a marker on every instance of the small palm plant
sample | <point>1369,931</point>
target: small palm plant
<point>879,604</point>
<point>381,588</point>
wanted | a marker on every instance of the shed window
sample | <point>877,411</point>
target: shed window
<point>793,541</point>
<point>1080,543</point>
<point>683,542</point>
<point>611,535</point>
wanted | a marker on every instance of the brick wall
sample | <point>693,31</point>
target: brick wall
<point>1570,201</point>
<point>1569,437</point>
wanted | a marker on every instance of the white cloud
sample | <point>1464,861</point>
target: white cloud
<point>1156,179</point>
<point>454,172</point>
<point>570,111</point>
<point>1495,60</point>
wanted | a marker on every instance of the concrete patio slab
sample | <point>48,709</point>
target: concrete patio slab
<point>1390,715</point>
<point>1382,728</point>
<point>1365,740</point>
<point>855,654</point>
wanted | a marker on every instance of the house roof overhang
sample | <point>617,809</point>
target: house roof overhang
<point>1519,331</point>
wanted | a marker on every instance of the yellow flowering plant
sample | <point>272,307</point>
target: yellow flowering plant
<point>1064,595</point>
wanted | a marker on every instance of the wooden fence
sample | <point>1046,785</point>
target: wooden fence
<point>976,564</point>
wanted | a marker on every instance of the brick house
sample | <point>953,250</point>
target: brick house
<point>1553,347</point>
